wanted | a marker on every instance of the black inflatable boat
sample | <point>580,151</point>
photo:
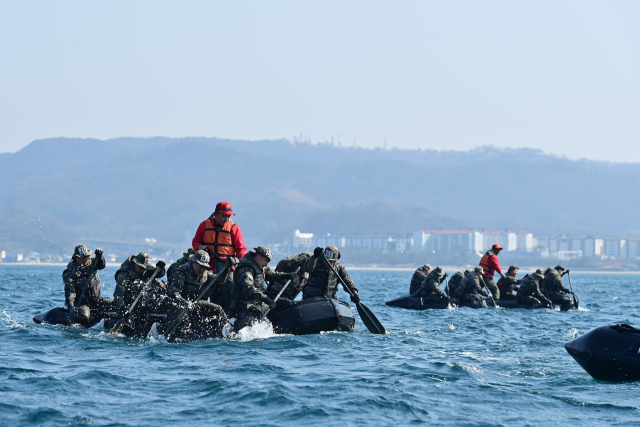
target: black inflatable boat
<point>415,303</point>
<point>60,316</point>
<point>608,353</point>
<point>313,316</point>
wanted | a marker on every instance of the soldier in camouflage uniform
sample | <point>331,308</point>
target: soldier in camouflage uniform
<point>472,289</point>
<point>555,288</point>
<point>455,289</point>
<point>249,291</point>
<point>529,291</point>
<point>289,265</point>
<point>186,283</point>
<point>509,284</point>
<point>179,263</point>
<point>131,279</point>
<point>93,303</point>
<point>430,290</point>
<point>322,279</point>
<point>418,278</point>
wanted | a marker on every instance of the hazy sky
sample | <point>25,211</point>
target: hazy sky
<point>562,76</point>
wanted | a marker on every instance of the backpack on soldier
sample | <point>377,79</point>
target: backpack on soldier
<point>454,285</point>
<point>290,263</point>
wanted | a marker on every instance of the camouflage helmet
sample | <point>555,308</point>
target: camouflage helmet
<point>513,267</point>
<point>479,270</point>
<point>559,267</point>
<point>332,253</point>
<point>188,253</point>
<point>82,251</point>
<point>437,271</point>
<point>539,273</point>
<point>143,259</point>
<point>200,257</point>
<point>426,267</point>
<point>264,251</point>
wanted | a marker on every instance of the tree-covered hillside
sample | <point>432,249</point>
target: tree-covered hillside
<point>131,188</point>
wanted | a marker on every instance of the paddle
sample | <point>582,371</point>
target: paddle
<point>278,296</point>
<point>488,290</point>
<point>368,318</point>
<point>571,286</point>
<point>446,286</point>
<point>117,328</point>
<point>170,333</point>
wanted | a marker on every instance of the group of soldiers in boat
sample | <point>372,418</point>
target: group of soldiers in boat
<point>242,290</point>
<point>539,289</point>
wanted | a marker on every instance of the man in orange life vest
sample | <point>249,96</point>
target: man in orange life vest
<point>221,238</point>
<point>490,265</point>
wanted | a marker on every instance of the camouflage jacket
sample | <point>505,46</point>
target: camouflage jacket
<point>553,282</point>
<point>416,281</point>
<point>508,285</point>
<point>179,263</point>
<point>249,281</point>
<point>471,285</point>
<point>323,281</point>
<point>129,284</point>
<point>530,287</point>
<point>431,285</point>
<point>289,265</point>
<point>185,285</point>
<point>73,277</point>
<point>455,287</point>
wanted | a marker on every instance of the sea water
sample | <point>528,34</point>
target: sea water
<point>443,367</point>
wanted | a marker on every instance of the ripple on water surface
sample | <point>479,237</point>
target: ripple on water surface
<point>447,367</point>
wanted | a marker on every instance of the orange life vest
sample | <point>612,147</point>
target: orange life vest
<point>484,263</point>
<point>218,239</point>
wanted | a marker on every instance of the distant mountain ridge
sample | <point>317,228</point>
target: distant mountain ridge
<point>131,188</point>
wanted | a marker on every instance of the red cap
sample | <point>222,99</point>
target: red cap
<point>496,246</point>
<point>224,208</point>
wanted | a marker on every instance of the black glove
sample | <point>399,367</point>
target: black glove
<point>286,301</point>
<point>355,298</point>
<point>293,276</point>
<point>271,303</point>
<point>98,252</point>
<point>445,275</point>
<point>317,252</point>
<point>566,272</point>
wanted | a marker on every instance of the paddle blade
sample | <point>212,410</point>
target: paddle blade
<point>370,320</point>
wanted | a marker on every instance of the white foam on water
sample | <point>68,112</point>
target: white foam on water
<point>260,330</point>
<point>227,329</point>
<point>10,321</point>
<point>453,328</point>
<point>573,333</point>
<point>583,309</point>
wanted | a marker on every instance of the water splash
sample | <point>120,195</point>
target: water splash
<point>153,331</point>
<point>99,325</point>
<point>573,333</point>
<point>260,330</point>
<point>13,324</point>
